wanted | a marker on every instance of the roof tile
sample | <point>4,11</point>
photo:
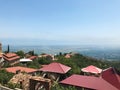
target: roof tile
<point>111,76</point>
<point>56,68</point>
<point>88,82</point>
<point>22,69</point>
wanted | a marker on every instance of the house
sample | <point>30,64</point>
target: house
<point>111,76</point>
<point>48,56</point>
<point>91,70</point>
<point>0,48</point>
<point>1,56</point>
<point>29,56</point>
<point>18,69</point>
<point>32,57</point>
<point>11,58</point>
<point>87,83</point>
<point>29,82</point>
<point>68,56</point>
<point>55,70</point>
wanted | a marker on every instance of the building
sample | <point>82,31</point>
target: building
<point>91,70</point>
<point>68,55</point>
<point>111,76</point>
<point>55,71</point>
<point>87,83</point>
<point>18,69</point>
<point>11,58</point>
<point>32,57</point>
<point>0,48</point>
<point>109,79</point>
<point>56,68</point>
<point>47,56</point>
<point>29,82</point>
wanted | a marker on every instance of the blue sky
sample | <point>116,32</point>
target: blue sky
<point>61,22</point>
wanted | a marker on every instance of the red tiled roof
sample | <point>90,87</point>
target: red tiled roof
<point>22,69</point>
<point>12,59</point>
<point>112,77</point>
<point>89,82</point>
<point>92,69</point>
<point>33,57</point>
<point>10,55</point>
<point>56,68</point>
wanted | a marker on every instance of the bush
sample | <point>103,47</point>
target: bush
<point>13,85</point>
<point>5,76</point>
<point>59,87</point>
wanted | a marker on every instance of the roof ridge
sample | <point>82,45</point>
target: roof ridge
<point>61,67</point>
<point>107,69</point>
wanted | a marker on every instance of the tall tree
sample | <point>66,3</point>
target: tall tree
<point>8,49</point>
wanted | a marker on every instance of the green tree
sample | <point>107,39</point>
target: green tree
<point>44,60</point>
<point>8,49</point>
<point>33,64</point>
<point>5,76</point>
<point>20,53</point>
<point>31,52</point>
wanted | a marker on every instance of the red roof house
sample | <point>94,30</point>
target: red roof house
<point>48,56</point>
<point>92,69</point>
<point>11,58</point>
<point>87,82</point>
<point>68,56</point>
<point>111,76</point>
<point>21,69</point>
<point>56,68</point>
<point>32,57</point>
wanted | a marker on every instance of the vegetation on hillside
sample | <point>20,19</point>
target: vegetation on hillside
<point>5,76</point>
<point>76,62</point>
<point>59,87</point>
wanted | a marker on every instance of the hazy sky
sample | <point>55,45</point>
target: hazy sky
<point>69,22</point>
